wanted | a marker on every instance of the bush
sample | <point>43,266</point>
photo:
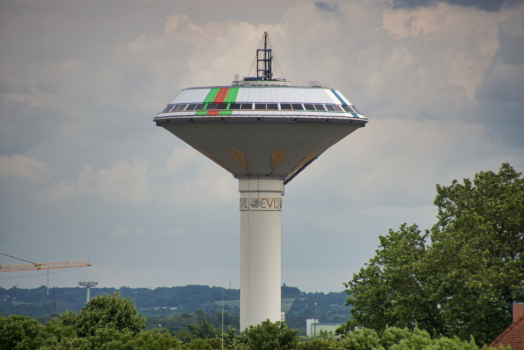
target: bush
<point>319,344</point>
<point>21,333</point>
<point>271,336</point>
<point>197,344</point>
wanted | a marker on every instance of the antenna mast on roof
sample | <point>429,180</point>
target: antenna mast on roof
<point>266,62</point>
<point>265,57</point>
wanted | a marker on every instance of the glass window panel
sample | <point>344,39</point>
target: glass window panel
<point>347,109</point>
<point>337,108</point>
<point>222,106</point>
<point>297,106</point>
<point>211,106</point>
<point>320,107</point>
<point>191,107</point>
<point>199,107</point>
<point>260,106</point>
<point>180,107</point>
<point>167,109</point>
<point>272,106</point>
<point>284,106</point>
<point>355,109</point>
<point>234,106</point>
<point>309,107</point>
<point>330,108</point>
<point>247,105</point>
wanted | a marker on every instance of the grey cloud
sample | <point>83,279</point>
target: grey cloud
<point>500,96</point>
<point>486,5</point>
<point>327,6</point>
<point>511,41</point>
<point>504,78</point>
<point>8,86</point>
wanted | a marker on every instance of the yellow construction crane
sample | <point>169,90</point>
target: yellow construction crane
<point>43,266</point>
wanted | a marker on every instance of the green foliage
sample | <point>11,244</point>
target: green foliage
<point>392,288</point>
<point>202,329</point>
<point>466,281</point>
<point>110,339</point>
<point>365,339</point>
<point>478,244</point>
<point>271,336</point>
<point>289,292</point>
<point>216,343</point>
<point>197,344</point>
<point>105,311</point>
<point>24,333</point>
<point>403,339</point>
<point>180,322</point>
<point>151,302</point>
<point>324,334</point>
<point>174,307</point>
<point>319,344</point>
<point>21,333</point>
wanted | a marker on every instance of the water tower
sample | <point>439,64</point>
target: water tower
<point>265,132</point>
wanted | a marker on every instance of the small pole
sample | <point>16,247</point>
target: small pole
<point>47,282</point>
<point>222,318</point>
<point>315,334</point>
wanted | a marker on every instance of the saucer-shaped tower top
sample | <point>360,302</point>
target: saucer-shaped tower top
<point>261,126</point>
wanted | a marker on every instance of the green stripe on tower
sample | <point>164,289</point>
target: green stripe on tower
<point>211,95</point>
<point>231,95</point>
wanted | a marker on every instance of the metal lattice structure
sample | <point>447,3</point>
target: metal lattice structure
<point>44,266</point>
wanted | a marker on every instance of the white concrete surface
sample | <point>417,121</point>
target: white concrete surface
<point>260,250</point>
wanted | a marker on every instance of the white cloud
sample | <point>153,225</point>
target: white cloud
<point>177,231</point>
<point>180,158</point>
<point>128,182</point>
<point>469,34</point>
<point>19,166</point>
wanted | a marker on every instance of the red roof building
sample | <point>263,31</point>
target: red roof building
<point>514,334</point>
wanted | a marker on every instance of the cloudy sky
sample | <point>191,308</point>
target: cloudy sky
<point>86,175</point>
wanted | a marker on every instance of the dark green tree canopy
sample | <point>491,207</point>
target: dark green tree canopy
<point>465,282</point>
<point>105,311</point>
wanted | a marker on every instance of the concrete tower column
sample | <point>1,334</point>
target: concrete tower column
<point>260,250</point>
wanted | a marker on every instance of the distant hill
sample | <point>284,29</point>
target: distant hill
<point>161,303</point>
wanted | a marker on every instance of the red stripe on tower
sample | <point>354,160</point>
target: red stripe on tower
<point>221,95</point>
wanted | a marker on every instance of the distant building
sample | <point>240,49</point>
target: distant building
<point>309,322</point>
<point>313,327</point>
<point>514,334</point>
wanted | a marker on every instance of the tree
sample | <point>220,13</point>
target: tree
<point>393,338</point>
<point>105,311</point>
<point>271,336</point>
<point>21,333</point>
<point>464,282</point>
